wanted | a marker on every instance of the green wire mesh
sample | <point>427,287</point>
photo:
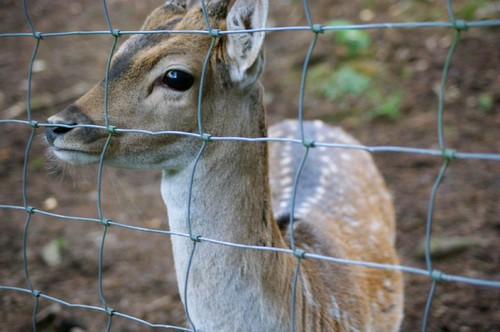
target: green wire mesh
<point>447,156</point>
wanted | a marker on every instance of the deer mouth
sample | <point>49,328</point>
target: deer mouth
<point>76,155</point>
<point>71,148</point>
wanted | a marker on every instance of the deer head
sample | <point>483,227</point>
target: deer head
<point>154,83</point>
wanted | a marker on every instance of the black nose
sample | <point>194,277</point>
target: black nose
<point>59,129</point>
<point>65,121</point>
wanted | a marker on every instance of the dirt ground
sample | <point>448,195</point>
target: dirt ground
<point>138,276</point>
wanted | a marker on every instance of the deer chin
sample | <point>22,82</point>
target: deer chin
<point>78,154</point>
<point>76,157</point>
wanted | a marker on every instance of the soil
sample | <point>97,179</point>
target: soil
<point>138,274</point>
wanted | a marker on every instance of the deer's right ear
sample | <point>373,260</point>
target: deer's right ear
<point>245,49</point>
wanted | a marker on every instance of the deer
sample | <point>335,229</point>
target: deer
<point>241,192</point>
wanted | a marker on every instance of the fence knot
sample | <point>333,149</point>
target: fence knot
<point>111,129</point>
<point>30,209</point>
<point>36,293</point>
<point>460,25</point>
<point>116,33</point>
<point>299,253</point>
<point>34,124</point>
<point>436,275</point>
<point>106,222</point>
<point>206,137</point>
<point>214,33</point>
<point>317,28</point>
<point>449,154</point>
<point>38,35</point>
<point>195,238</point>
<point>110,312</point>
<point>308,143</point>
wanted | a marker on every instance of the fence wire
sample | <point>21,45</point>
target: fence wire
<point>447,155</point>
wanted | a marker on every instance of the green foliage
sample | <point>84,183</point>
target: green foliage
<point>355,41</point>
<point>345,81</point>
<point>389,106</point>
<point>354,85</point>
<point>485,102</point>
<point>471,9</point>
<point>355,91</point>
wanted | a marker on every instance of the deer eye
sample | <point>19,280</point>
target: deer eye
<point>178,80</point>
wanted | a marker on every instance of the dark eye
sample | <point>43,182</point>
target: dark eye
<point>178,80</point>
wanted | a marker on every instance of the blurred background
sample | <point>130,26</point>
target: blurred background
<point>381,85</point>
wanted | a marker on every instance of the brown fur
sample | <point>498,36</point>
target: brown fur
<point>330,296</point>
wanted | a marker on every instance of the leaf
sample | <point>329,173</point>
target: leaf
<point>346,81</point>
<point>356,41</point>
<point>52,252</point>
<point>390,107</point>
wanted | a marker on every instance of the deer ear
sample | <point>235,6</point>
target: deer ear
<point>244,50</point>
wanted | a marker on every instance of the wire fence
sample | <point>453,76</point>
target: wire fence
<point>434,276</point>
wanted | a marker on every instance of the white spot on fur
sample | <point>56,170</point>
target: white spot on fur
<point>333,169</point>
<point>284,204</point>
<point>287,191</point>
<point>320,137</point>
<point>345,156</point>
<point>380,296</point>
<point>286,181</point>
<point>286,171</point>
<point>311,201</point>
<point>304,209</point>
<point>318,124</point>
<point>274,132</point>
<point>374,225</point>
<point>325,159</point>
<point>320,190</point>
<point>388,283</point>
<point>307,292</point>
<point>335,309</point>
<point>286,161</point>
<point>351,220</point>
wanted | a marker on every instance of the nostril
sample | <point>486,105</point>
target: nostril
<point>57,130</point>
<point>63,130</point>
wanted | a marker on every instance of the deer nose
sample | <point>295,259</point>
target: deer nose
<point>57,128</point>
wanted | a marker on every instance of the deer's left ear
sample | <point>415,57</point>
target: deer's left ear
<point>245,49</point>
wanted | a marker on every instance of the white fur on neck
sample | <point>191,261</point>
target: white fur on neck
<point>224,281</point>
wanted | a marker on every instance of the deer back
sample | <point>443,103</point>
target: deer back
<point>342,209</point>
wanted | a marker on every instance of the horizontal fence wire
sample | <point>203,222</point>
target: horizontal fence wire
<point>446,155</point>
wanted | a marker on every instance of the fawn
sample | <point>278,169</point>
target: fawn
<point>343,208</point>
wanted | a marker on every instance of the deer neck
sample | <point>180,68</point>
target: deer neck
<point>230,201</point>
<point>230,197</point>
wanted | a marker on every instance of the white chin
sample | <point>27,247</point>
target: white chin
<point>76,157</point>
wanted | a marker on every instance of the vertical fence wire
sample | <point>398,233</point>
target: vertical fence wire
<point>435,275</point>
<point>447,155</point>
<point>299,253</point>
<point>29,210</point>
<point>105,223</point>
